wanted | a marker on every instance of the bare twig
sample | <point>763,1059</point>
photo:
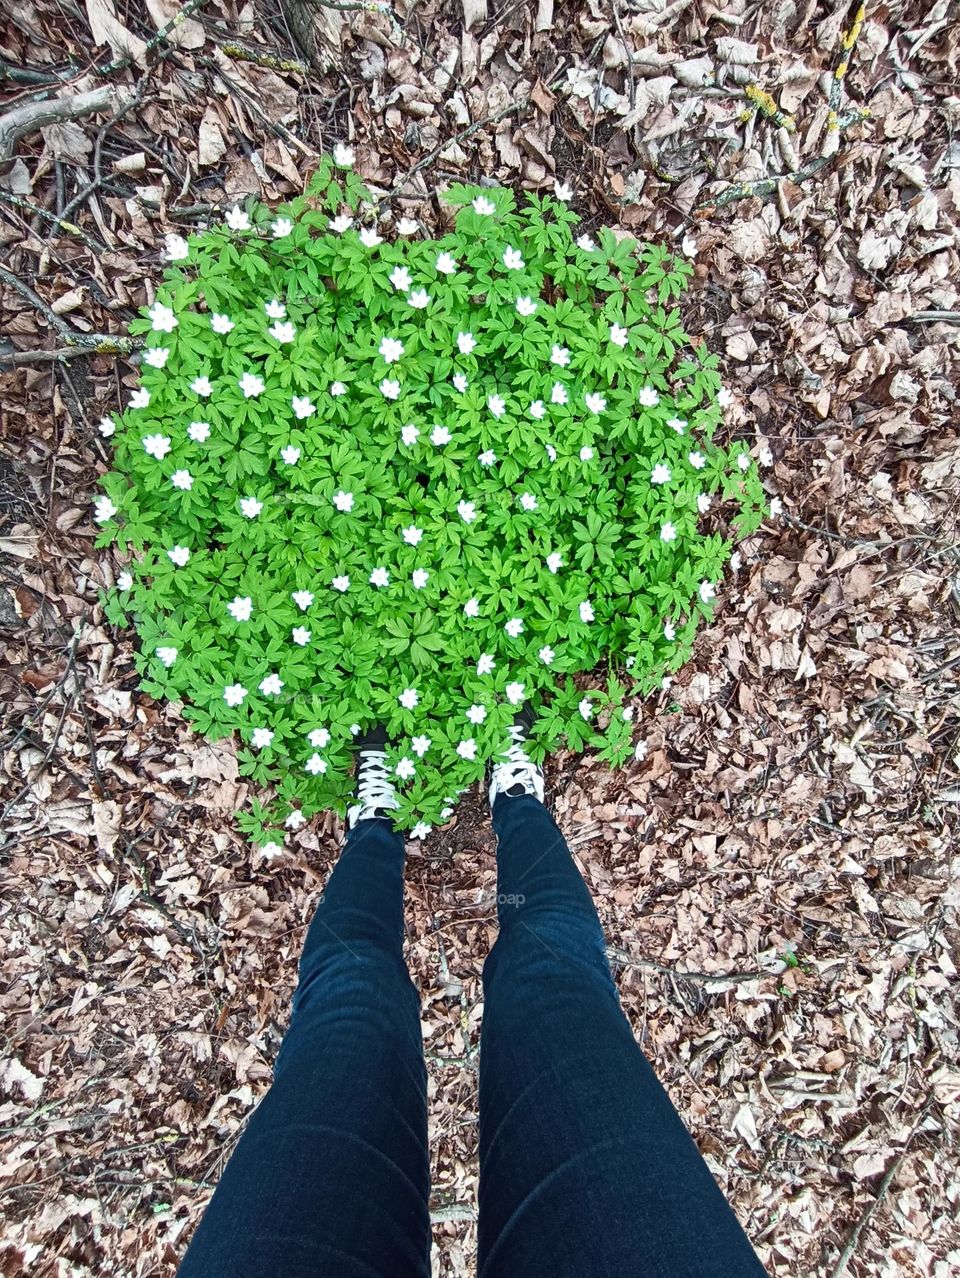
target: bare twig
<point>90,343</point>
<point>34,116</point>
<point>428,159</point>
<point>121,64</point>
<point>623,959</point>
<point>34,210</point>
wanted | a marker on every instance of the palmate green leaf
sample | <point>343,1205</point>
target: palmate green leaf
<point>456,453</point>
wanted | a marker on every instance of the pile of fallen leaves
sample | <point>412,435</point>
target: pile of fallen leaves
<point>777,871</point>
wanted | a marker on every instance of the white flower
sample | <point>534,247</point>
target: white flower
<point>440,435</point>
<point>369,237</point>
<point>546,654</point>
<point>554,562</point>
<point>595,403</point>
<point>736,561</point>
<point>486,663</point>
<point>315,765</point>
<point>337,389</point>
<point>563,191</point>
<point>765,457</point>
<point>420,830</point>
<point>724,397</point>
<point>237,219</point>
<point>669,631</point>
<point>294,819</point>
<point>497,405</point>
<point>343,501</point>
<point>514,693</point>
<point>167,655</point>
<point>240,608</point>
<point>586,243</point>
<point>467,749</point>
<point>484,206</point>
<point>106,427</point>
<point>619,335</point>
<point>552,452</point>
<point>274,309</point>
<point>559,394</point>
<point>201,386</point>
<point>419,578</point>
<point>389,389</point>
<point>319,738</point>
<point>706,591</point>
<point>776,507</point>
<point>528,501</point>
<point>526,306</point>
<point>467,511</point>
<point>743,461</point>
<point>177,248</point>
<point>282,226</point>
<point>586,453</point>
<point>221,323</point>
<point>660,474</point>
<point>419,746</point>
<point>677,424</point>
<point>412,535</point>
<point>668,532</point>
<point>487,457</point>
<point>282,333</point>
<point>341,583</point>
<point>251,385</point>
<point>140,398</point>
<point>512,259</point>
<point>514,627</point>
<point>406,226</point>
<point>156,356</point>
<point>471,608</point>
<point>586,708</point>
<point>341,223</point>
<point>162,318</point>
<point>537,410</point>
<point>125,581</point>
<point>648,397</point>
<point>466,343</point>
<point>446,264</point>
<point>380,577</point>
<point>409,698</point>
<point>234,693</point>
<point>586,611</point>
<point>559,356</point>
<point>627,714</point>
<point>704,502</point>
<point>303,599</point>
<point>460,382</point>
<point>391,349</point>
<point>406,768</point>
<point>103,509</point>
<point>302,407</point>
<point>300,636</point>
<point>182,479</point>
<point>271,685</point>
<point>261,738</point>
<point>290,455</point>
<point>250,507</point>
<point>410,434</point>
<point>697,460</point>
<point>343,155</point>
<point>271,849</point>
<point>400,279</point>
<point>476,714</point>
<point>179,556</point>
<point>418,299</point>
<point>156,445</point>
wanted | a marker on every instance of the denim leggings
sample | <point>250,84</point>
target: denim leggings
<point>586,1170</point>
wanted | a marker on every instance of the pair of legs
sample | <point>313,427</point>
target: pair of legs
<point>585,1166</point>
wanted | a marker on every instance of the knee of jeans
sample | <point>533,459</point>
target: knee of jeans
<point>549,942</point>
<point>360,971</point>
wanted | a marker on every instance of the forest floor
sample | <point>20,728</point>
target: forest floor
<point>778,868</point>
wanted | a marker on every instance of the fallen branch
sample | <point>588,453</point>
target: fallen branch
<point>34,116</point>
<point>623,959</point>
<point>86,343</point>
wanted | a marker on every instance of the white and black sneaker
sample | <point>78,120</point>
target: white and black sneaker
<point>516,773</point>
<point>376,796</point>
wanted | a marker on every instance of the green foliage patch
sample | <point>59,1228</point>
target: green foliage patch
<point>416,482</point>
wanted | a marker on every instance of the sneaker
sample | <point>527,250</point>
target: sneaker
<point>376,796</point>
<point>517,773</point>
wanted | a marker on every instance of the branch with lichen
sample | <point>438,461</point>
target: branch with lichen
<point>848,41</point>
<point>765,104</point>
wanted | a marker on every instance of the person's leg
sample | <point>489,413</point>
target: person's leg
<point>585,1166</point>
<point>331,1177</point>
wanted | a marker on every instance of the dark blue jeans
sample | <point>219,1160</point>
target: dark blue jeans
<point>586,1170</point>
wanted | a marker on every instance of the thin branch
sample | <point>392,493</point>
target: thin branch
<point>121,64</point>
<point>34,116</point>
<point>90,343</point>
<point>428,159</point>
<point>624,959</point>
<point>36,211</point>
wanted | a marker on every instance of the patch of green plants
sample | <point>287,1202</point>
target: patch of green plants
<point>416,481</point>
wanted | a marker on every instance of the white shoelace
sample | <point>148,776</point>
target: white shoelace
<point>517,769</point>
<point>374,787</point>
